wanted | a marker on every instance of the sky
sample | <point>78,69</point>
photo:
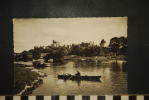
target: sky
<point>30,32</point>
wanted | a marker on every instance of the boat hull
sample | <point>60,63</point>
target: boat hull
<point>79,78</point>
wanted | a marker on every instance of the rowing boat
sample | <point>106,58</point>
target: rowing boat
<point>78,78</point>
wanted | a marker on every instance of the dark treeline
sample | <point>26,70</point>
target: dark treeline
<point>117,46</point>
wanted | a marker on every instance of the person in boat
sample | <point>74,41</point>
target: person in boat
<point>78,73</point>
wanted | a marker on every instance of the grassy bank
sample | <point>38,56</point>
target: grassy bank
<point>24,77</point>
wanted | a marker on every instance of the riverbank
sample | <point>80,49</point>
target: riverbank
<point>27,79</point>
<point>96,58</point>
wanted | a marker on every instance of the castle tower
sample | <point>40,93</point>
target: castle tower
<point>55,43</point>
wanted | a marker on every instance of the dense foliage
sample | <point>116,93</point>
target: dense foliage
<point>56,54</point>
<point>117,46</point>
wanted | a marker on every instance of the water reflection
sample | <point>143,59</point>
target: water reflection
<point>113,79</point>
<point>119,66</point>
<point>87,63</point>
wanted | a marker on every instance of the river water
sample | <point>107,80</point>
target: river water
<point>113,79</point>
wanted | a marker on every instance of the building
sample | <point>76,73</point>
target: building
<point>55,43</point>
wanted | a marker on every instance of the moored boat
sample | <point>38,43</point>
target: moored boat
<point>79,78</point>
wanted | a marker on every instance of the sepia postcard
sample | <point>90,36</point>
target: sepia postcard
<point>70,56</point>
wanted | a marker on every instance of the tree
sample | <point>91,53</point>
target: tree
<point>124,45</point>
<point>114,45</point>
<point>118,45</point>
<point>47,57</point>
<point>36,54</point>
<point>102,43</point>
<point>75,50</point>
<point>56,54</point>
<point>24,56</point>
